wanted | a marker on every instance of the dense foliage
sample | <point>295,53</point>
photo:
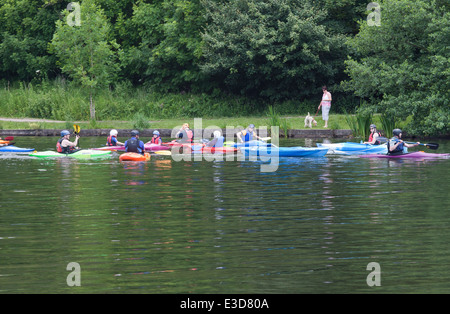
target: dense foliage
<point>254,52</point>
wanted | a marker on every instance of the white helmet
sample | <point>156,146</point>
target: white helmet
<point>113,133</point>
<point>217,133</point>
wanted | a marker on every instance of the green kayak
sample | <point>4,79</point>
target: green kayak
<point>81,154</point>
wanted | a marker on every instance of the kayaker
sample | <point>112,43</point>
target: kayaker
<point>134,145</point>
<point>396,144</point>
<point>217,141</point>
<point>374,135</point>
<point>248,134</point>
<point>112,139</point>
<point>185,134</point>
<point>64,145</point>
<point>156,139</point>
<point>325,104</point>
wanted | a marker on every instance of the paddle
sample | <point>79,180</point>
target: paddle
<point>76,131</point>
<point>265,139</point>
<point>428,145</point>
<point>163,152</point>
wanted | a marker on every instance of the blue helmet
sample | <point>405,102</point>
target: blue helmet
<point>156,132</point>
<point>64,133</point>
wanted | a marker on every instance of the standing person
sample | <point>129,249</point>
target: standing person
<point>185,134</point>
<point>396,144</point>
<point>248,134</point>
<point>64,145</point>
<point>325,104</point>
<point>374,135</point>
<point>112,139</point>
<point>134,145</point>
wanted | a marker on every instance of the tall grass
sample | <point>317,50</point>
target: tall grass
<point>360,123</point>
<point>276,120</point>
<point>388,124</point>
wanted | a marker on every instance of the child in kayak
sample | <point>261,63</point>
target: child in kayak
<point>134,145</point>
<point>248,134</point>
<point>156,139</point>
<point>374,135</point>
<point>112,139</point>
<point>396,145</point>
<point>64,146</point>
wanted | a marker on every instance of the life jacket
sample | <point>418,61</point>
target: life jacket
<point>109,141</point>
<point>133,146</point>
<point>248,136</point>
<point>190,135</point>
<point>398,150</point>
<point>377,142</point>
<point>63,150</point>
<point>155,140</point>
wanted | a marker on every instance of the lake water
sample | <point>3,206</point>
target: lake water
<point>312,226</point>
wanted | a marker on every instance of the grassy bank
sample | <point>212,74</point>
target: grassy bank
<point>61,100</point>
<point>337,121</point>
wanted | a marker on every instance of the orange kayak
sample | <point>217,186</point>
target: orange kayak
<point>134,157</point>
<point>4,142</point>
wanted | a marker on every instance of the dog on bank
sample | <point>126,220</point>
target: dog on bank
<point>309,121</point>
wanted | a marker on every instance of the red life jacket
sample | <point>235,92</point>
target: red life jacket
<point>190,135</point>
<point>109,141</point>
<point>371,138</point>
<point>63,150</point>
<point>155,140</point>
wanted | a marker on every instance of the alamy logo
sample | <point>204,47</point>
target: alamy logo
<point>74,18</point>
<point>374,17</point>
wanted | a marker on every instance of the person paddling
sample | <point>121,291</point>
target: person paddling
<point>248,134</point>
<point>374,135</point>
<point>396,144</point>
<point>134,145</point>
<point>112,139</point>
<point>217,141</point>
<point>156,139</point>
<point>64,145</point>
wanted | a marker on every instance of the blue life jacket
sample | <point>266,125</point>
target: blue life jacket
<point>398,150</point>
<point>248,136</point>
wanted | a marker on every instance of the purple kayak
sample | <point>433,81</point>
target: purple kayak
<point>420,154</point>
<point>148,147</point>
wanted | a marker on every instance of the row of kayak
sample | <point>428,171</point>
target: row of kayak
<point>252,148</point>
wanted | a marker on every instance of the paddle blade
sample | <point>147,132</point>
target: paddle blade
<point>432,145</point>
<point>76,128</point>
<point>163,152</point>
<point>265,139</point>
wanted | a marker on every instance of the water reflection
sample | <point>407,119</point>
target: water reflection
<point>224,227</point>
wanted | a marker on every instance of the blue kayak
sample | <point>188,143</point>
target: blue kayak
<point>297,151</point>
<point>351,148</point>
<point>247,144</point>
<point>15,149</point>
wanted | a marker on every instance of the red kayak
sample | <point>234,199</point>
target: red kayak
<point>420,154</point>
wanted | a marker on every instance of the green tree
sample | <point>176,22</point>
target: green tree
<point>86,52</point>
<point>272,49</point>
<point>167,49</point>
<point>26,27</point>
<point>402,66</point>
